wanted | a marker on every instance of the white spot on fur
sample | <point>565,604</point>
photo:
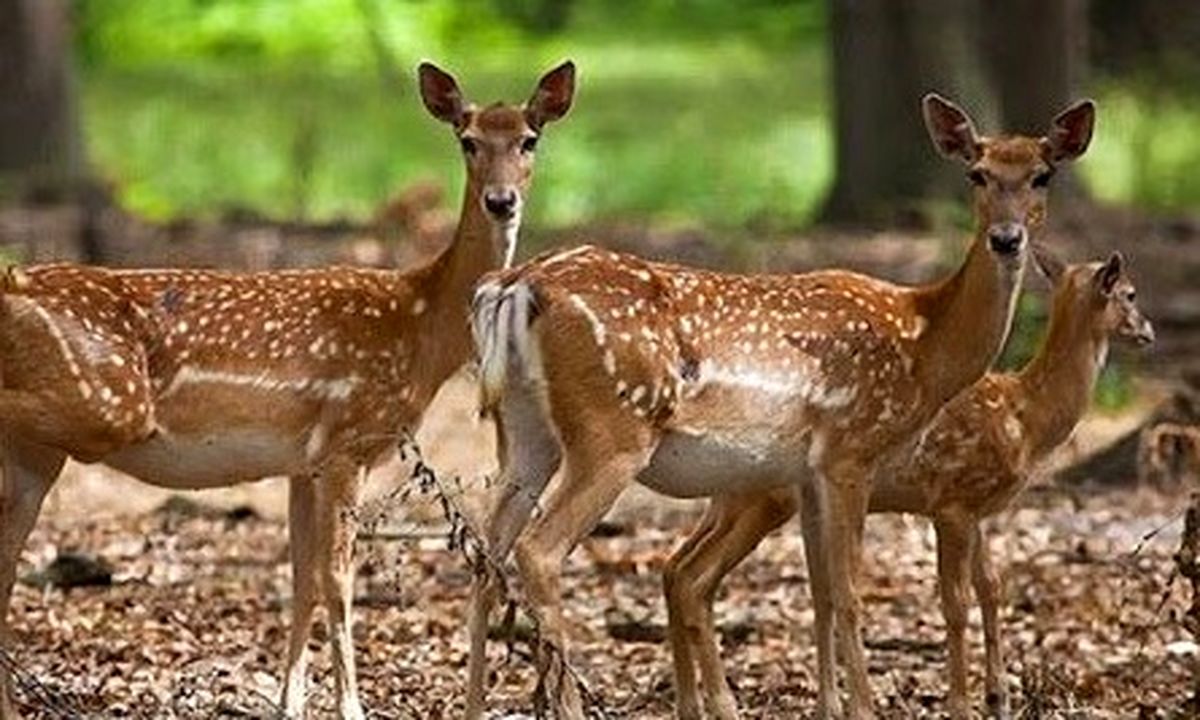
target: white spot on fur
<point>316,441</point>
<point>326,389</point>
<point>915,331</point>
<point>598,329</point>
<point>610,362</point>
<point>565,255</point>
<point>807,383</point>
<point>1012,428</point>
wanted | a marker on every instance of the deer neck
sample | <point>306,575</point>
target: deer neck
<point>966,320</point>
<point>1056,385</point>
<point>445,284</point>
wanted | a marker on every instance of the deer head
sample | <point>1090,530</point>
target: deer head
<point>1122,317</point>
<point>1010,173</point>
<point>498,142</point>
<point>1104,292</point>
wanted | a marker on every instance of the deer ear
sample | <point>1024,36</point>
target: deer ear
<point>441,95</point>
<point>1071,131</point>
<point>1049,264</point>
<point>552,98</point>
<point>950,128</point>
<point>1110,272</point>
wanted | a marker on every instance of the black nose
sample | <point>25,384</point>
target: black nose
<point>1006,239</point>
<point>501,203</point>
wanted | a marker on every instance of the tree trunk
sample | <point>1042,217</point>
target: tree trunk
<point>1036,52</point>
<point>886,55</point>
<point>1144,41</point>
<point>39,136</point>
<point>1036,55</point>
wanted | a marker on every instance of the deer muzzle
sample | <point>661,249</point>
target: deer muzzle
<point>502,203</point>
<point>1006,239</point>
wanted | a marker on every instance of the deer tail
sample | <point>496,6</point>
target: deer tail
<point>501,319</point>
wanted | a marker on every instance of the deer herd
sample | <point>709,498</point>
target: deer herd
<point>830,393</point>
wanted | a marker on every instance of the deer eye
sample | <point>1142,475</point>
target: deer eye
<point>529,144</point>
<point>1041,180</point>
<point>978,178</point>
<point>469,146</point>
<point>1131,296</point>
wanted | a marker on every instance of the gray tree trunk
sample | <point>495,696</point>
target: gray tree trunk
<point>39,135</point>
<point>1037,52</point>
<point>1037,57</point>
<point>886,55</point>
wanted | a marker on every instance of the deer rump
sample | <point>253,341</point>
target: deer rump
<point>728,431</point>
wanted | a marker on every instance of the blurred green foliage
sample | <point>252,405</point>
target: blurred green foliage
<point>700,112</point>
<point>278,106</point>
<point>1150,146</point>
<point>1114,388</point>
<point>1029,324</point>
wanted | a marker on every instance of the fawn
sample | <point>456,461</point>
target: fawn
<point>698,383</point>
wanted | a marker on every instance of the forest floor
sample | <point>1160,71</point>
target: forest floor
<point>194,624</point>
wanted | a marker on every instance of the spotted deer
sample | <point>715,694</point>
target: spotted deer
<point>699,383</point>
<point>977,455</point>
<point>197,379</point>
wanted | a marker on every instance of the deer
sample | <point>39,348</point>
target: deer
<point>698,384</point>
<point>190,379</point>
<point>977,456</point>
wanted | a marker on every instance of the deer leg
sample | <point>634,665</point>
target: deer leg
<point>337,523</point>
<point>812,524</point>
<point>988,592</point>
<point>526,467</point>
<point>954,552</point>
<point>28,473</point>
<point>676,591</point>
<point>843,516</point>
<point>743,523</point>
<point>587,491</point>
<point>302,531</point>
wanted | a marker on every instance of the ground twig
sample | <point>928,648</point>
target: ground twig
<point>48,702</point>
<point>465,537</point>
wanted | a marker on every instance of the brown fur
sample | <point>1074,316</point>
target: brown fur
<point>977,455</point>
<point>197,378</point>
<point>699,383</point>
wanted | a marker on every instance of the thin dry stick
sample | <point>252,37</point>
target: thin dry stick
<point>465,537</point>
<point>47,702</point>
<point>468,540</point>
<point>1127,562</point>
<point>1153,533</point>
